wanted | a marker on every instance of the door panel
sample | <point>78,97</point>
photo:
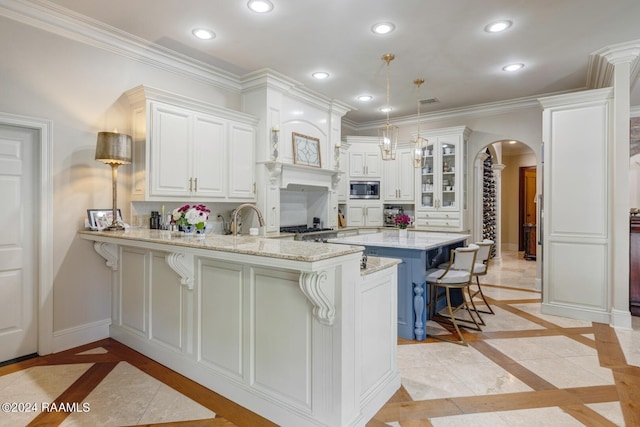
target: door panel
<point>18,315</point>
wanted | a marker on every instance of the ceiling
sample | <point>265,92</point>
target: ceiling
<point>441,41</point>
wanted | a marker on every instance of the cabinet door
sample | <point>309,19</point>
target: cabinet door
<point>428,178</point>
<point>390,183</point>
<point>373,167</point>
<point>171,151</point>
<point>355,215</point>
<point>241,162</point>
<point>405,175</point>
<point>357,164</point>
<point>374,215</point>
<point>210,168</point>
<point>450,185</point>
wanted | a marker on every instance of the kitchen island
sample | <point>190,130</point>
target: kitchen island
<point>294,331</point>
<point>418,251</point>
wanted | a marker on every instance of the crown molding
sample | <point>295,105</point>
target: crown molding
<point>603,61</point>
<point>488,109</point>
<point>267,78</point>
<point>50,17</point>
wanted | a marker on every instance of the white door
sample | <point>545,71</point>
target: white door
<point>18,257</point>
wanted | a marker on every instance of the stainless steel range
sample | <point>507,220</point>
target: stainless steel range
<point>305,233</point>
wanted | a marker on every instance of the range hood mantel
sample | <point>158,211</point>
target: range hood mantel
<point>285,174</point>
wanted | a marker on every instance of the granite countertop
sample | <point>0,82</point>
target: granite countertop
<point>250,245</point>
<point>376,263</point>
<point>419,240</point>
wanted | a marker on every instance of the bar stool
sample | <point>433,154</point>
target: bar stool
<point>457,275</point>
<point>480,269</point>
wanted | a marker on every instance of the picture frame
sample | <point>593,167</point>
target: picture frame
<point>306,150</point>
<point>99,219</point>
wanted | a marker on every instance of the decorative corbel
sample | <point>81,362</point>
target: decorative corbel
<point>335,179</point>
<point>275,172</point>
<point>323,305</point>
<point>183,265</point>
<point>108,251</point>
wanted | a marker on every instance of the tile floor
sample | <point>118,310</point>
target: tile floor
<point>524,369</point>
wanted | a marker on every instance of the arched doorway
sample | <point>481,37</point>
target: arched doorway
<point>497,171</point>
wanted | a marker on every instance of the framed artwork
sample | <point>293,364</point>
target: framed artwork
<point>99,219</point>
<point>306,150</point>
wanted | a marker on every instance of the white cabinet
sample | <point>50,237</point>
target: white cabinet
<point>364,164</point>
<point>578,219</point>
<point>188,153</point>
<point>365,213</point>
<point>241,161</point>
<point>398,177</point>
<point>186,150</point>
<point>440,195</point>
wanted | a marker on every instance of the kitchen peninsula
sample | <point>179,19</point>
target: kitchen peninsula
<point>418,251</point>
<point>293,331</point>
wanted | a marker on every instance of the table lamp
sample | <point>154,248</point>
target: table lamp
<point>114,149</point>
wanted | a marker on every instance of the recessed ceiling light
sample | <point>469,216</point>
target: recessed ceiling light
<point>203,34</point>
<point>513,67</point>
<point>496,27</point>
<point>383,28</point>
<point>386,109</point>
<point>512,142</point>
<point>365,98</point>
<point>260,6</point>
<point>320,75</point>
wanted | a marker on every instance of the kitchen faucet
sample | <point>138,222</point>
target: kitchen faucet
<point>234,217</point>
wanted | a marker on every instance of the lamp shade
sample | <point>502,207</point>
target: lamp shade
<point>113,148</point>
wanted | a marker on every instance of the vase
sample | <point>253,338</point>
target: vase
<point>188,229</point>
<point>200,233</point>
<point>402,233</point>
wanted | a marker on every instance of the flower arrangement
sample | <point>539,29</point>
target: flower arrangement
<point>196,215</point>
<point>402,221</point>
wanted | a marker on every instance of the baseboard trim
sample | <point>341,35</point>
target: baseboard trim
<point>573,312</point>
<point>80,335</point>
<point>621,319</point>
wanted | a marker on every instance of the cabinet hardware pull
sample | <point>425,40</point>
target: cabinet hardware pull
<point>196,185</point>
<point>190,185</point>
<point>254,188</point>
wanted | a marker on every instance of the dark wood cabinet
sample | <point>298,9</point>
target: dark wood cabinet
<point>634,265</point>
<point>530,242</point>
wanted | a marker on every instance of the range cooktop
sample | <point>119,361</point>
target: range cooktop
<point>302,229</point>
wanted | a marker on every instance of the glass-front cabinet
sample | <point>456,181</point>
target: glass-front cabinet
<point>440,191</point>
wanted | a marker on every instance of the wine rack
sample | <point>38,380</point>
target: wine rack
<point>489,202</point>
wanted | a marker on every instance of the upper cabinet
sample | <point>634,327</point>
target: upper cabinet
<point>364,162</point>
<point>188,150</point>
<point>440,195</point>
<point>398,183</point>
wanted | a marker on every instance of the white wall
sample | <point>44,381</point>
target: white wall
<point>509,229</point>
<point>77,87</point>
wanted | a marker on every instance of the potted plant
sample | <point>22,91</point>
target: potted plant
<point>191,218</point>
<point>402,222</point>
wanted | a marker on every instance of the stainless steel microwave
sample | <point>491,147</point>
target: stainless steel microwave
<point>364,190</point>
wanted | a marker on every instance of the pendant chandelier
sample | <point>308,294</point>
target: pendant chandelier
<point>388,134</point>
<point>419,143</point>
